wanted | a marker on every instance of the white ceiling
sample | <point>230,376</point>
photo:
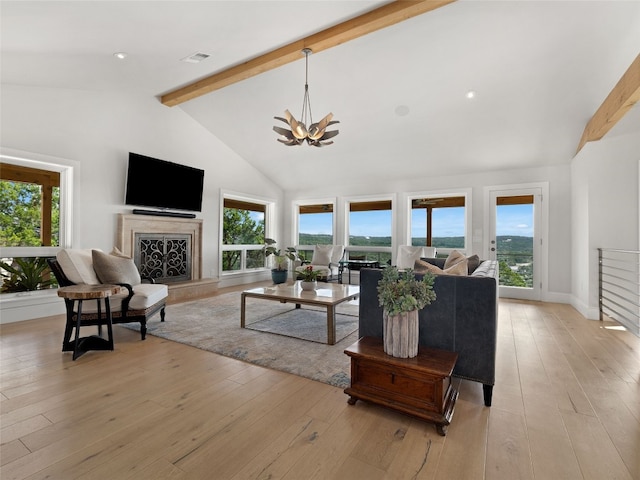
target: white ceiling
<point>540,70</point>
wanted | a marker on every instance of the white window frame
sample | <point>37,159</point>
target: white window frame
<point>68,186</point>
<point>270,218</point>
<point>296,221</point>
<point>459,192</point>
<point>347,230</point>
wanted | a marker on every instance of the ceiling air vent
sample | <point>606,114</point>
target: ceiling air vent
<point>195,58</point>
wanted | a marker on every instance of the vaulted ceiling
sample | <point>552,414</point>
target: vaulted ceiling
<point>540,71</point>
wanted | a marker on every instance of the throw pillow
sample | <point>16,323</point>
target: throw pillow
<point>460,269</point>
<point>407,255</point>
<point>77,265</point>
<point>454,257</point>
<point>420,266</point>
<point>322,255</point>
<point>473,263</point>
<point>115,269</point>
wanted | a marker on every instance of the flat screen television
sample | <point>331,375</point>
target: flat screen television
<point>165,185</point>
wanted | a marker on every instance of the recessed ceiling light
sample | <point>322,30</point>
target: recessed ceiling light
<point>402,110</point>
<point>470,94</point>
<point>120,55</point>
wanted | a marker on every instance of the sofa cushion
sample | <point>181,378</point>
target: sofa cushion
<point>486,269</point>
<point>454,257</point>
<point>459,268</point>
<point>77,265</point>
<point>473,262</point>
<point>115,268</point>
<point>322,255</point>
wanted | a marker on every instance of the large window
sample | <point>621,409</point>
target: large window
<point>315,227</point>
<point>35,219</point>
<point>439,222</point>
<point>370,230</point>
<point>243,235</point>
<point>29,206</point>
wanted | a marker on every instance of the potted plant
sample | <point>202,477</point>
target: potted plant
<point>402,295</point>
<point>309,280</point>
<point>280,260</point>
<point>26,274</point>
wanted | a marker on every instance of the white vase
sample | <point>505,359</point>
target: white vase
<point>308,286</point>
<point>400,334</point>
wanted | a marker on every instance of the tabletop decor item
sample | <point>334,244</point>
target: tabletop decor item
<point>309,279</point>
<point>280,259</point>
<point>401,295</point>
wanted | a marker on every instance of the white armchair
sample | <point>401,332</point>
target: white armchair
<point>408,254</point>
<point>325,259</point>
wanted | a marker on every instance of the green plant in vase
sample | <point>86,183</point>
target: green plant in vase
<point>280,259</point>
<point>402,295</point>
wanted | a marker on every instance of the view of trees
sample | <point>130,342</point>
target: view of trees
<point>238,228</point>
<point>20,226</point>
<point>20,215</point>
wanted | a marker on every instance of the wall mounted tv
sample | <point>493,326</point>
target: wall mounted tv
<point>165,185</point>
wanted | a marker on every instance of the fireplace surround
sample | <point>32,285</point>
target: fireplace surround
<point>170,247</point>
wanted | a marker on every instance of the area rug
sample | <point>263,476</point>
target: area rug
<point>213,324</point>
<point>306,324</point>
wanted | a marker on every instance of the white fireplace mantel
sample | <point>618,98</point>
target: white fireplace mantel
<point>130,225</point>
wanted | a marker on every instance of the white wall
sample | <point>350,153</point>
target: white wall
<point>605,211</point>
<point>558,287</point>
<point>98,129</point>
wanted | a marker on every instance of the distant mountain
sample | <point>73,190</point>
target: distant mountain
<point>506,243</point>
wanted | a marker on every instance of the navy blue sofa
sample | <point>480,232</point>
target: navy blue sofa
<point>462,319</point>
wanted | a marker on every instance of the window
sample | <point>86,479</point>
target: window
<point>315,227</point>
<point>243,234</point>
<point>29,206</point>
<point>35,218</point>
<point>370,230</point>
<point>439,222</point>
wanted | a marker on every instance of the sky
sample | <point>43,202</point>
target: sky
<point>448,222</point>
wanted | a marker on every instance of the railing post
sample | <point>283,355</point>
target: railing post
<point>600,315</point>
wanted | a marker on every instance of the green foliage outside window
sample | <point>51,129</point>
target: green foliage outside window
<point>20,215</point>
<point>26,274</point>
<point>238,228</point>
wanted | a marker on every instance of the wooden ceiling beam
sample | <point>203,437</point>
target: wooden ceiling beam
<point>623,96</point>
<point>377,19</point>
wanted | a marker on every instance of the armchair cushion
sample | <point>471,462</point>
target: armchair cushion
<point>145,295</point>
<point>336,254</point>
<point>115,268</point>
<point>322,255</point>
<point>407,256</point>
<point>77,265</point>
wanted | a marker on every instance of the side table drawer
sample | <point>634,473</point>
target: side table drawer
<point>419,390</point>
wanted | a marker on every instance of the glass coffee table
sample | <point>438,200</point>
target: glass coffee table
<point>328,295</point>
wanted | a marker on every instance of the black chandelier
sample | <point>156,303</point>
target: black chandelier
<point>298,132</point>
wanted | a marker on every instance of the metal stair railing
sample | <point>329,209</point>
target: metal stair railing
<point>619,287</point>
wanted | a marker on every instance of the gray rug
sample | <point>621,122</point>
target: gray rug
<point>306,324</point>
<point>274,338</point>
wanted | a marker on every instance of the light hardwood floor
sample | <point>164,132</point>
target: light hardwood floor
<point>566,405</point>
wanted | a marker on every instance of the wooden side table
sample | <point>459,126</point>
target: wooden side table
<point>79,293</point>
<point>419,386</point>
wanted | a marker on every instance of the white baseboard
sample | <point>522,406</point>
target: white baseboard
<point>17,307</point>
<point>590,313</point>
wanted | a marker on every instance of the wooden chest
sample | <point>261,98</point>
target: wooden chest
<point>419,386</point>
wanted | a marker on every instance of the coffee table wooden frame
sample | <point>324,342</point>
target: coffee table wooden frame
<point>328,295</point>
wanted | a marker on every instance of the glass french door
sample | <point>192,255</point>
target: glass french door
<point>515,241</point>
